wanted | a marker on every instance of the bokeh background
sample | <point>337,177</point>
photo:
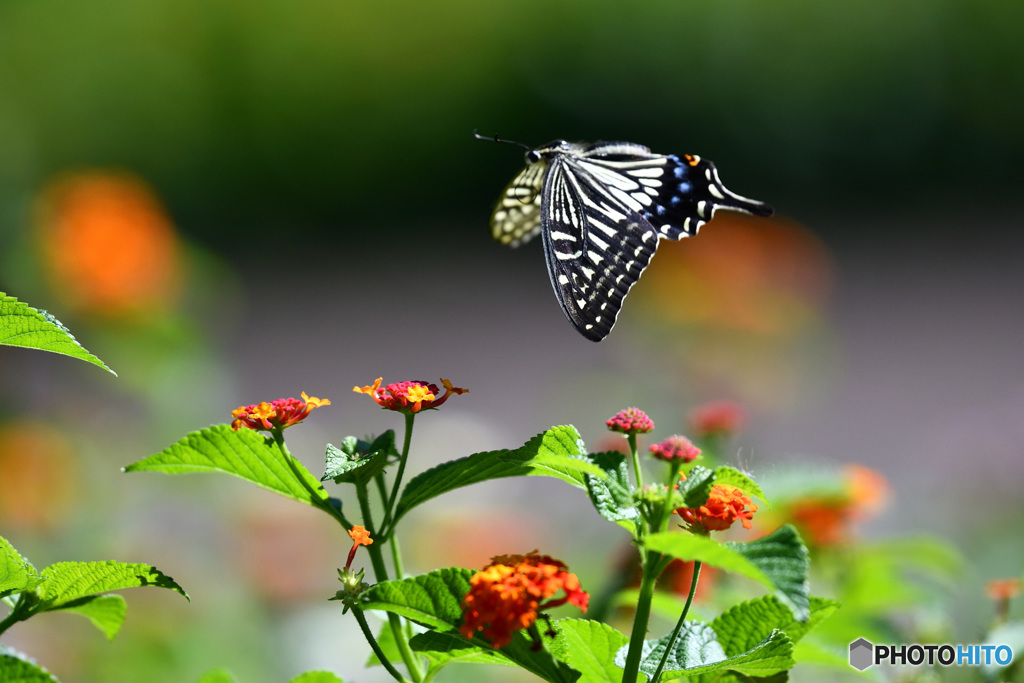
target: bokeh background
<point>231,202</point>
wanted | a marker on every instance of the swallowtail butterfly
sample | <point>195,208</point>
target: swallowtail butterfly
<point>601,210</point>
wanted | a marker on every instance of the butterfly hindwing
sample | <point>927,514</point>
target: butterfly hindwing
<point>516,218</point>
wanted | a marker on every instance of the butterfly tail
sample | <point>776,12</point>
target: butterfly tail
<point>724,198</point>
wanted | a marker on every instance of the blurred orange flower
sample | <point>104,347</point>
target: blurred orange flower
<point>108,246</point>
<point>36,479</point>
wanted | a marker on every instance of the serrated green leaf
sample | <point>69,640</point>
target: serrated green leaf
<point>16,667</point>
<point>612,495</point>
<point>449,648</point>
<point>784,559</point>
<point>778,561</point>
<point>435,599</point>
<point>697,651</point>
<point>218,675</point>
<point>742,481</point>
<point>24,326</point>
<point>589,647</point>
<point>745,625</point>
<point>358,461</point>
<point>17,574</point>
<point>696,487</point>
<point>106,612</point>
<point>65,582</point>
<point>558,452</point>
<point>316,677</point>
<point>245,454</point>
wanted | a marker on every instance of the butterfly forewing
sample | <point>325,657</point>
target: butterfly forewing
<point>602,210</point>
<point>596,246</point>
<point>516,218</point>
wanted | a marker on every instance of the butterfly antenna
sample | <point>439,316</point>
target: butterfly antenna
<point>497,139</point>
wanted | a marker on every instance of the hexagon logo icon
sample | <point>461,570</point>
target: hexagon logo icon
<point>861,654</point>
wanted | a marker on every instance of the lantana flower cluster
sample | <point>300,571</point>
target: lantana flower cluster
<point>409,397</point>
<point>505,596</point>
<point>277,414</point>
<point>726,504</point>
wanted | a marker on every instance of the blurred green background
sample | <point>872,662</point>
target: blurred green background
<point>314,214</point>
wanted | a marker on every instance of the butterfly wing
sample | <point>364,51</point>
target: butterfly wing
<point>677,195</point>
<point>595,244</point>
<point>516,217</point>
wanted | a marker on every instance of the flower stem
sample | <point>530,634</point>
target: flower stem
<point>631,437</point>
<point>643,616</point>
<point>368,634</point>
<point>665,514</point>
<point>386,526</point>
<point>679,624</point>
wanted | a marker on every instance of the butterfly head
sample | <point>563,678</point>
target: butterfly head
<point>549,150</point>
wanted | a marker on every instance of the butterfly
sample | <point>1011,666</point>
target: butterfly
<point>601,210</point>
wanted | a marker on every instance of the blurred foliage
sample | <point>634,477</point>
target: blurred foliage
<point>249,115</point>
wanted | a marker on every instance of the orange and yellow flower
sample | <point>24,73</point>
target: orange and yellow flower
<point>409,397</point>
<point>725,505</point>
<point>278,414</point>
<point>505,596</point>
<point>360,536</point>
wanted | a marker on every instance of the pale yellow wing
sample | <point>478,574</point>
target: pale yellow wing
<point>516,217</point>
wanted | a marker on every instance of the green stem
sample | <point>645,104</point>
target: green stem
<point>636,459</point>
<point>386,526</point>
<point>361,618</point>
<point>679,624</point>
<point>380,571</point>
<point>643,616</point>
<point>299,471</point>
<point>665,514</point>
<point>20,611</point>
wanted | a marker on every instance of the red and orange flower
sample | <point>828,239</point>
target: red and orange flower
<point>725,505</point>
<point>278,414</point>
<point>506,595</point>
<point>409,397</point>
<point>717,418</point>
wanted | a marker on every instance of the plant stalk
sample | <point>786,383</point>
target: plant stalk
<point>679,624</point>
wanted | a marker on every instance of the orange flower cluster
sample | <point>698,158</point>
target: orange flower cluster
<point>505,596</point>
<point>278,414</point>
<point>108,246</point>
<point>409,397</point>
<point>826,520</point>
<point>725,505</point>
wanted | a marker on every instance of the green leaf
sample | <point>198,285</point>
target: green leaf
<point>106,612</point>
<point>316,677</point>
<point>612,495</point>
<point>218,675</point>
<point>357,461</point>
<point>245,454</point>
<point>66,582</point>
<point>16,667</point>
<point>745,625</point>
<point>589,647</point>
<point>732,476</point>
<point>17,574</point>
<point>22,325</point>
<point>783,557</point>
<point>449,648</point>
<point>558,452</point>
<point>696,487</point>
<point>697,651</point>
<point>435,599</point>
<point>778,561</point>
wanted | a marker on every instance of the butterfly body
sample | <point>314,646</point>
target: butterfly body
<point>601,210</point>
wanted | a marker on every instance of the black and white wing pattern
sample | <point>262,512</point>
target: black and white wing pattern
<point>601,210</point>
